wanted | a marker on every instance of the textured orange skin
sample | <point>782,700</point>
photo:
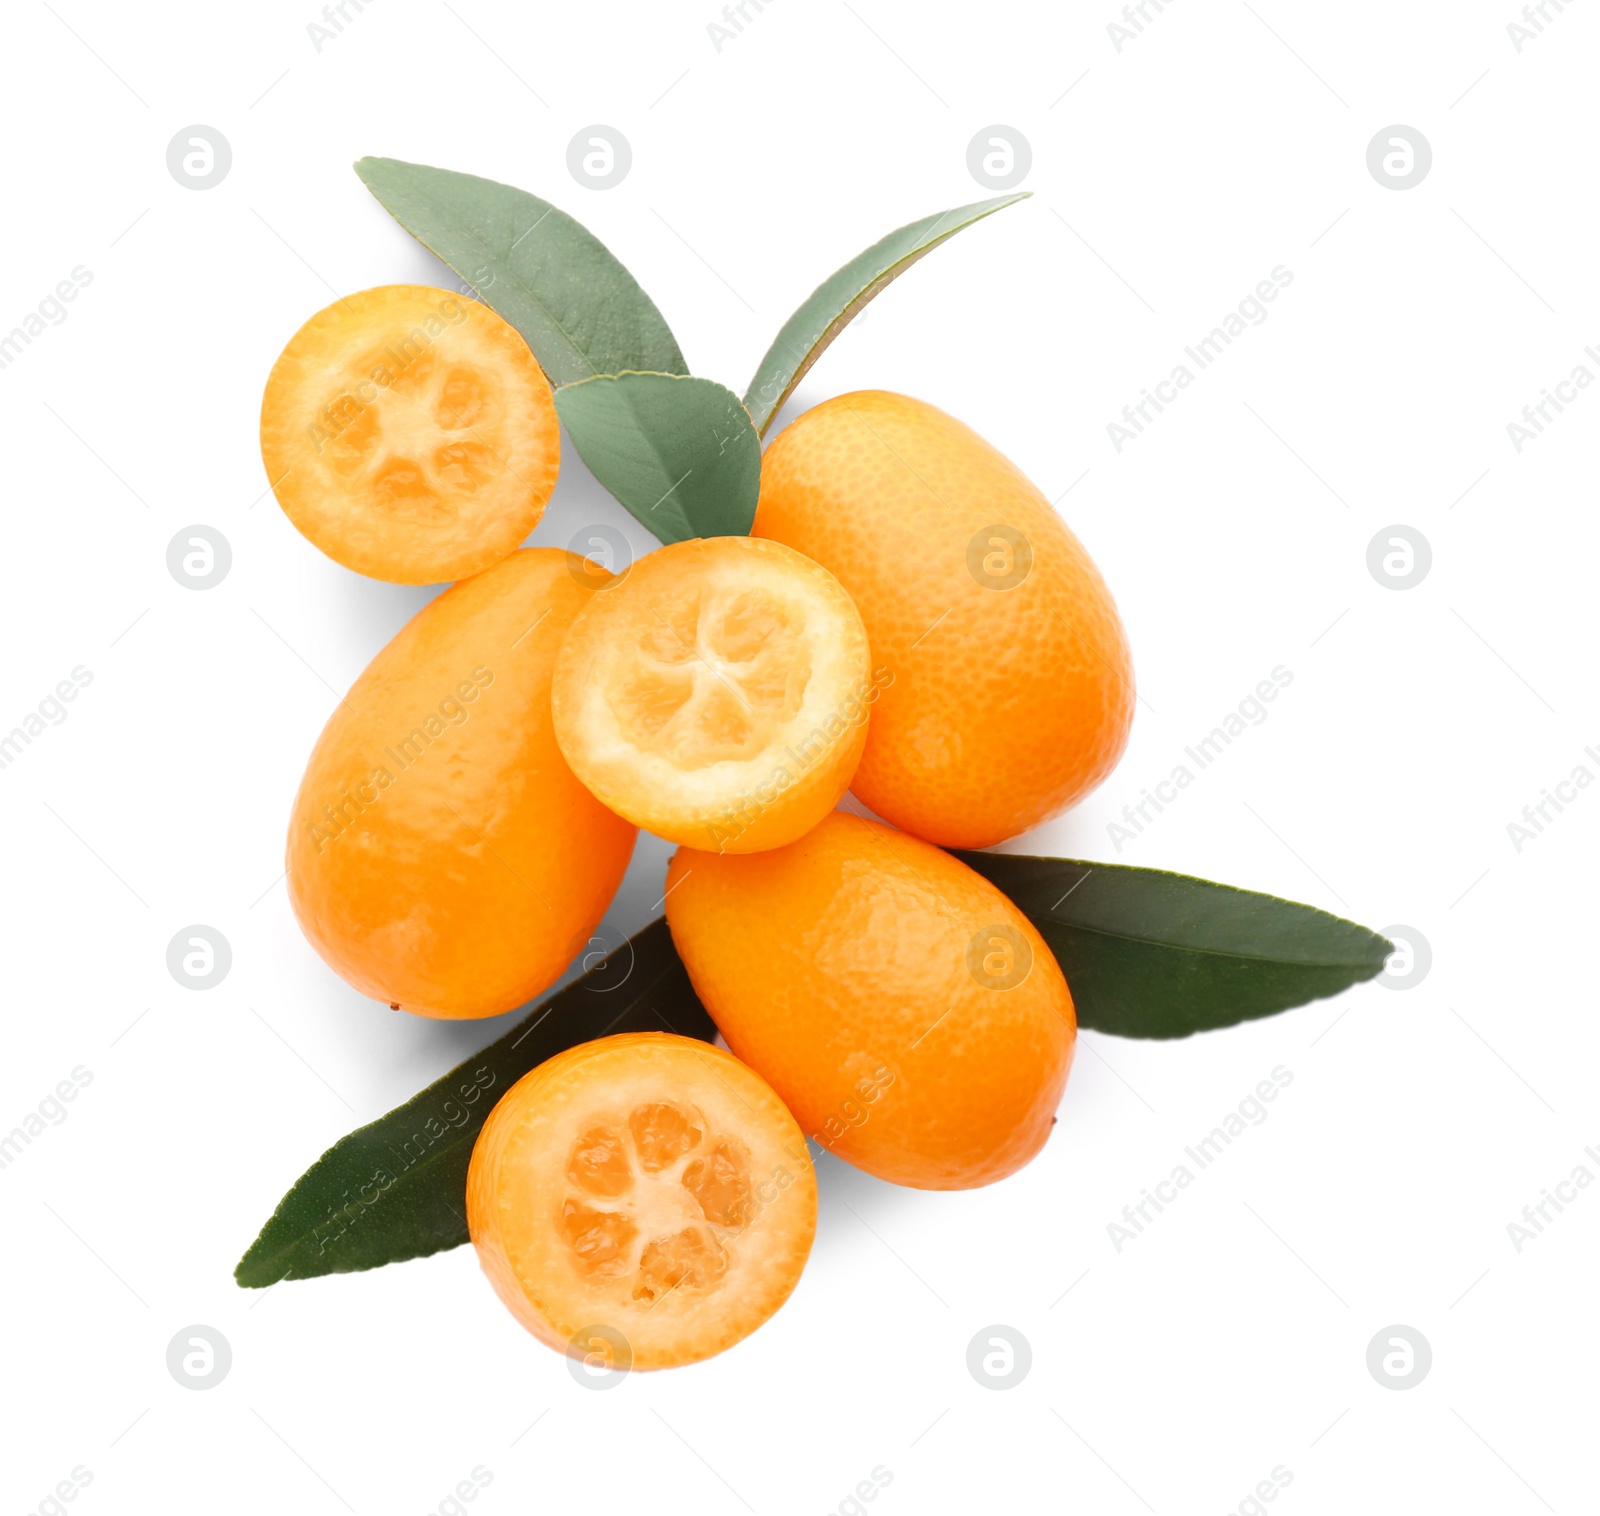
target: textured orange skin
<point>494,1224</point>
<point>1007,705</point>
<point>836,957</point>
<point>470,882</point>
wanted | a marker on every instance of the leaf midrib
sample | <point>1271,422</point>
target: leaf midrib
<point>487,251</point>
<point>1180,947</point>
<point>648,435</point>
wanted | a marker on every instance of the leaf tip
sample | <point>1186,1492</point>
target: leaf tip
<point>247,1274</point>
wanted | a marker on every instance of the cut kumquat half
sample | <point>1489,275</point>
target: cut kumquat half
<point>717,694</point>
<point>646,1190</point>
<point>410,433</point>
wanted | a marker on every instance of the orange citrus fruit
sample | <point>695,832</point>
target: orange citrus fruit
<point>410,434</point>
<point>442,857</point>
<point>904,1009</point>
<point>717,694</point>
<point>1012,687</point>
<point>645,1200</point>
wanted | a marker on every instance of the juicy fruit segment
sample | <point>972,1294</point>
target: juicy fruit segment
<point>648,1184</point>
<point>410,434</point>
<point>1012,686</point>
<point>602,1241</point>
<point>442,857</point>
<point>905,1010</point>
<point>718,694</point>
<point>662,1134</point>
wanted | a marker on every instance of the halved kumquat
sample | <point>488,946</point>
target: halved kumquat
<point>647,1189</point>
<point>718,694</point>
<point>410,433</point>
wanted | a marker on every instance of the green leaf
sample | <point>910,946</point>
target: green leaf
<point>680,453</point>
<point>397,1189</point>
<point>835,301</point>
<point>580,310</point>
<point>1152,954</point>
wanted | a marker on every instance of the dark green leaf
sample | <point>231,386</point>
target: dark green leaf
<point>680,453</point>
<point>830,307</point>
<point>1152,954</point>
<point>397,1189</point>
<point>580,310</point>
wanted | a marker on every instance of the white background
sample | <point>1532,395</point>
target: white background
<point>1168,179</point>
